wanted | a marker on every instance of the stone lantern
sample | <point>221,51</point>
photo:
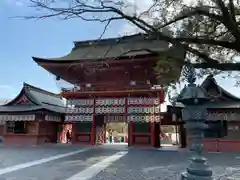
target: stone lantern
<point>193,97</point>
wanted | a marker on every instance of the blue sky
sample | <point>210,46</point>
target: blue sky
<point>22,39</point>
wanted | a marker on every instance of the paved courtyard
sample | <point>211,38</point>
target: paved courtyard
<point>70,162</point>
<point>12,155</point>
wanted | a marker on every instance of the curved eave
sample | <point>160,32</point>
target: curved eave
<point>210,79</point>
<point>22,92</point>
<point>229,94</point>
<point>64,60</point>
<point>52,60</point>
<point>31,108</point>
<point>20,109</point>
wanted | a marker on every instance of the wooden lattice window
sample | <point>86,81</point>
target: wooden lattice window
<point>10,126</point>
<point>18,127</point>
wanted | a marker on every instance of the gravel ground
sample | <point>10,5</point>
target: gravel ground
<point>159,165</point>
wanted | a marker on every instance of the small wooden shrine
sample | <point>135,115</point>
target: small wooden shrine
<point>33,117</point>
<point>223,118</point>
<point>113,80</point>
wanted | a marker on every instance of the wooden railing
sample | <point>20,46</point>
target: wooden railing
<point>109,86</point>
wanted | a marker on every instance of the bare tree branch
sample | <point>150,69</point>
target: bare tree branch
<point>208,30</point>
<point>232,10</point>
<point>192,12</point>
<point>196,40</point>
<point>228,21</point>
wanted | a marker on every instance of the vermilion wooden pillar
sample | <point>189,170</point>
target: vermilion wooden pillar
<point>93,125</point>
<point>183,137</point>
<point>157,135</point>
<point>74,134</point>
<point>152,126</point>
<point>131,131</point>
<point>93,131</point>
<point>105,136</point>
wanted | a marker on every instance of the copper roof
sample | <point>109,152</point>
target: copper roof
<point>115,48</point>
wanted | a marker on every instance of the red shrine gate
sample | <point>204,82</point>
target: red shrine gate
<point>115,80</point>
<point>90,115</point>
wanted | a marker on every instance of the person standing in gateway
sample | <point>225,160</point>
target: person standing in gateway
<point>110,136</point>
<point>68,136</point>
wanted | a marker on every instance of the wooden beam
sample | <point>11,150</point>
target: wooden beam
<point>220,66</point>
<point>110,93</point>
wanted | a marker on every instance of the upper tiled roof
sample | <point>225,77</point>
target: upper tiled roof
<point>43,97</point>
<point>115,48</point>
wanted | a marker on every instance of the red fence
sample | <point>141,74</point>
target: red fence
<point>221,145</point>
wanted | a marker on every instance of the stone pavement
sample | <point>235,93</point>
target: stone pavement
<point>12,155</point>
<point>136,164</point>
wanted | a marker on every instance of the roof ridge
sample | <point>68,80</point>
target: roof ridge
<point>107,40</point>
<point>31,87</point>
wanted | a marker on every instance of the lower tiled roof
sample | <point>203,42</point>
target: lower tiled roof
<point>29,108</point>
